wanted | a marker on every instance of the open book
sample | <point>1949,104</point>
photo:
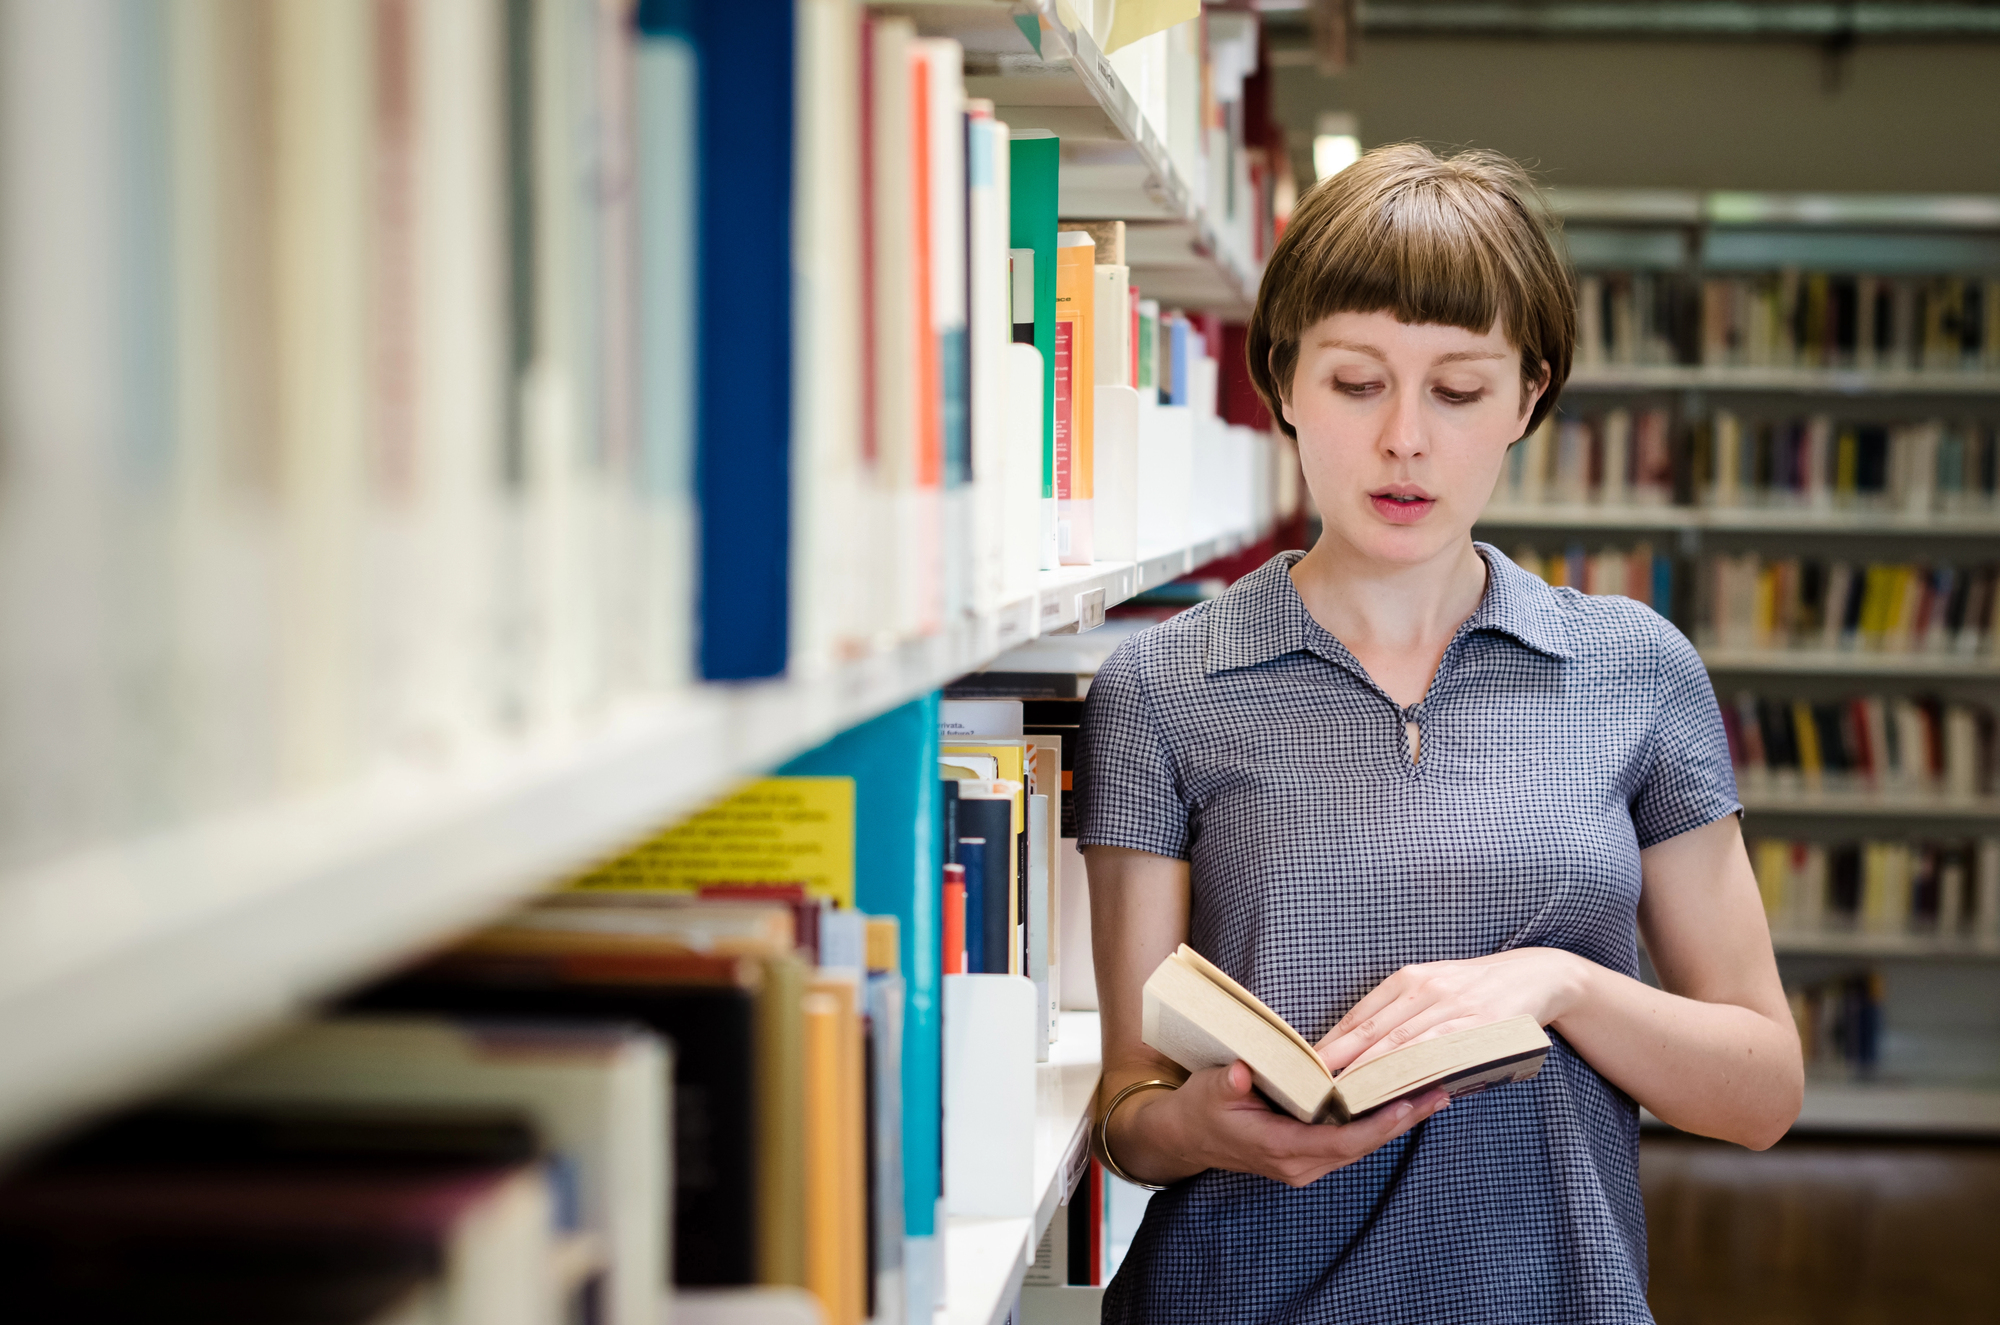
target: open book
<point>1199,1017</point>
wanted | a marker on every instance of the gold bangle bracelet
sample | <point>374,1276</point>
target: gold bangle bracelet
<point>1104,1131</point>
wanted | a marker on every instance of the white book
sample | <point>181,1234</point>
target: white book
<point>989,332</point>
<point>834,610</point>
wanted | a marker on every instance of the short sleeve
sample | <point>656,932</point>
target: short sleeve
<point>1127,793</point>
<point>1687,780</point>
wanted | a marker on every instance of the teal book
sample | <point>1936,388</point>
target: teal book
<point>1034,164</point>
<point>893,761</point>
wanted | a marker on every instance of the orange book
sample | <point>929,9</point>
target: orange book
<point>954,920</point>
<point>1076,399</point>
<point>836,1178</point>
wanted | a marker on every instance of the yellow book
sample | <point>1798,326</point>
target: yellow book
<point>1774,863</point>
<point>1076,395</point>
<point>774,831</point>
<point>1806,732</point>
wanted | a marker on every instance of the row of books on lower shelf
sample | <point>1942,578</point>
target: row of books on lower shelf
<point>1757,602</point>
<point>554,1121</point>
<point>1943,323</point>
<point>1728,459</point>
<point>1894,743</point>
<point>1947,888</point>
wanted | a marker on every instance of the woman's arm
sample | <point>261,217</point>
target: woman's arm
<point>1139,915</point>
<point>1713,1051</point>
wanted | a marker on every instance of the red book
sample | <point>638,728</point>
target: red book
<point>954,920</point>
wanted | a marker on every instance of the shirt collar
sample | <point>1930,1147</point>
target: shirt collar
<point>1262,617</point>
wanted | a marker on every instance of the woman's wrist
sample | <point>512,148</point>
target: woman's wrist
<point>1142,1137</point>
<point>1576,989</point>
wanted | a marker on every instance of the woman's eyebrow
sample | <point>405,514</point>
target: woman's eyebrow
<point>1331,343</point>
<point>1463,356</point>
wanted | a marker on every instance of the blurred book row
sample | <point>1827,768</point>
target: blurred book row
<point>1790,318</point>
<point>1871,742</point>
<point>1840,1024</point>
<point>1647,457</point>
<point>1880,887</point>
<point>1750,602</point>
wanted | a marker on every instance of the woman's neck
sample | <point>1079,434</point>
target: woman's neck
<point>1395,619</point>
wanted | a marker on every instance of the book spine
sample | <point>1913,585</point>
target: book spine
<point>744,422</point>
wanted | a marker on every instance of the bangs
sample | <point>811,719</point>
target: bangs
<point>1421,258</point>
<point>1459,243</point>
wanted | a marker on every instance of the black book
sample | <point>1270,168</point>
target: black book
<point>715,1104</point>
<point>985,846</point>
<point>1064,718</point>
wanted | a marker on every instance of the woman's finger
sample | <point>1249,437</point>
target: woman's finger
<point>1371,1002</point>
<point>1437,1019</point>
<point>1369,1031</point>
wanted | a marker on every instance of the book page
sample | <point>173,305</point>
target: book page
<point>1217,976</point>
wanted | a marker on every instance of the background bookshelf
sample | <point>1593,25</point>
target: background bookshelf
<point>1896,1000</point>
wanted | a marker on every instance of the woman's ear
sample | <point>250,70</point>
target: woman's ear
<point>1532,392</point>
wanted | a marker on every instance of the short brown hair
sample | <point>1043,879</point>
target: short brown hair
<point>1454,241</point>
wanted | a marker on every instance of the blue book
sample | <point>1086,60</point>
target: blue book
<point>893,761</point>
<point>743,71</point>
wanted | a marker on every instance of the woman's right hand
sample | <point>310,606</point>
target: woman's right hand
<point>1215,1121</point>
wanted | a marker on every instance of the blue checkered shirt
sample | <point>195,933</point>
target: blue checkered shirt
<point>1561,736</point>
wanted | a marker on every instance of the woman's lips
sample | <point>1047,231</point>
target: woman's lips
<point>1399,509</point>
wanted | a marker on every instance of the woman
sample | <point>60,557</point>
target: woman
<point>1398,786</point>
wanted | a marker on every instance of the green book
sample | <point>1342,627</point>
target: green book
<point>1031,224</point>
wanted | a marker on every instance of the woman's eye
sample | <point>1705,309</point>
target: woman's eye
<point>1450,397</point>
<point>1346,387</point>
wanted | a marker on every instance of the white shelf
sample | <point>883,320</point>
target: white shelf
<point>1914,945</point>
<point>250,918</point>
<point>1890,1109</point>
<point>1114,164</point>
<point>1817,381</point>
<point>1749,519</point>
<point>1858,804</point>
<point>985,1259</point>
<point>1687,207</point>
<point>1830,662</point>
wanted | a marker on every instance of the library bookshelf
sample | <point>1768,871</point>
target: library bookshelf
<point>1753,338</point>
<point>252,918</point>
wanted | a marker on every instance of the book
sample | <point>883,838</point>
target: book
<point>596,1096</point>
<point>730,1019</point>
<point>1198,1016</point>
<point>837,611</point>
<point>242,1216</point>
<point>1075,396</point>
<point>1034,165</point>
<point>986,850</point>
<point>746,125</point>
<point>893,763</point>
<point>781,830</point>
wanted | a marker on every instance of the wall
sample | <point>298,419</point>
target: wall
<point>1906,117</point>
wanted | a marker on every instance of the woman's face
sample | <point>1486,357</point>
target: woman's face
<point>1403,429</point>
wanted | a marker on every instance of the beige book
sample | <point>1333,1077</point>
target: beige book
<point>1199,1017</point>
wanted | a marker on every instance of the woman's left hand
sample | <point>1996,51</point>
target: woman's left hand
<point>1437,998</point>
